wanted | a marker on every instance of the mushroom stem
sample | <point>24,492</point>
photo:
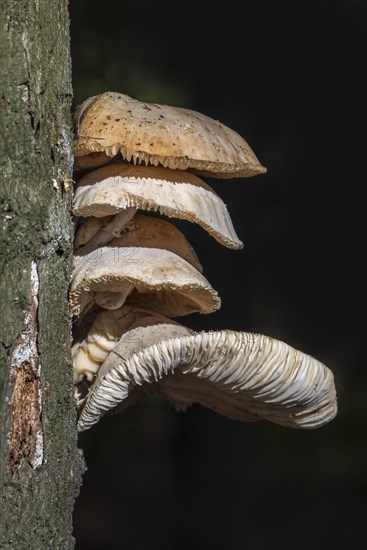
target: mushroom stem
<point>113,300</point>
<point>119,222</point>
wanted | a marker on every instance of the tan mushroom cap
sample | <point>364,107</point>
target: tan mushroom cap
<point>90,161</point>
<point>173,193</point>
<point>152,278</point>
<point>142,231</point>
<point>88,229</point>
<point>159,134</point>
<point>240,375</point>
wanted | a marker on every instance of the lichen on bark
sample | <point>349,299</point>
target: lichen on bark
<point>37,494</point>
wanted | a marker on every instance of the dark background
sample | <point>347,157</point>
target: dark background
<point>287,76</point>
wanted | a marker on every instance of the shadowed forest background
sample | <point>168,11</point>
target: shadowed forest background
<point>288,77</point>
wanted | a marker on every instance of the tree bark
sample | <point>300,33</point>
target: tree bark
<point>40,466</point>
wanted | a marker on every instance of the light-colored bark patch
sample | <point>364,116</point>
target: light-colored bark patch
<point>26,433</point>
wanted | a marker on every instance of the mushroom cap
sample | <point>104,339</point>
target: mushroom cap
<point>89,228</point>
<point>173,193</point>
<point>90,161</point>
<point>148,232</point>
<point>159,134</point>
<point>148,277</point>
<point>240,375</point>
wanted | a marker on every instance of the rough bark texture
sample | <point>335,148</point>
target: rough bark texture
<point>40,466</point>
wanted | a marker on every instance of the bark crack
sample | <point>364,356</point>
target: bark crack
<point>35,123</point>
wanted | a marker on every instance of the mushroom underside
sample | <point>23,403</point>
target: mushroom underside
<point>110,190</point>
<point>147,277</point>
<point>97,332</point>
<point>240,375</point>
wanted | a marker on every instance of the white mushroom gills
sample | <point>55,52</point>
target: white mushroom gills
<point>240,375</point>
<point>176,194</point>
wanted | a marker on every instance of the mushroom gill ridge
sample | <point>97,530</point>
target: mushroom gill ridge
<point>240,375</point>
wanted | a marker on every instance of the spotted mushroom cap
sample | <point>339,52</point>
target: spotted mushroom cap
<point>173,193</point>
<point>141,231</point>
<point>240,375</point>
<point>159,134</point>
<point>148,277</point>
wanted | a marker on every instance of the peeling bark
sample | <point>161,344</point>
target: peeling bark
<point>26,433</point>
<point>40,465</point>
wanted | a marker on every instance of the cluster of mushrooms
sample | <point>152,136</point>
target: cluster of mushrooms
<point>137,164</point>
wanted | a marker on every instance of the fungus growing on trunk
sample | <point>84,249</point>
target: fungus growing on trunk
<point>142,231</point>
<point>91,349</point>
<point>132,272</point>
<point>161,135</point>
<point>237,374</point>
<point>148,277</point>
<point>174,193</point>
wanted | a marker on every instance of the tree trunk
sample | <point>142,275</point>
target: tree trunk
<point>40,466</point>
